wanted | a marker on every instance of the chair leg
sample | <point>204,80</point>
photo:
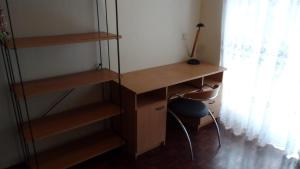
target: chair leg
<point>185,131</point>
<point>217,127</point>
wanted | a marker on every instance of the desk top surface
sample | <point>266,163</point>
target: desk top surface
<point>142,81</point>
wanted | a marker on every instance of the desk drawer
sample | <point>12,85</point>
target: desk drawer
<point>151,126</point>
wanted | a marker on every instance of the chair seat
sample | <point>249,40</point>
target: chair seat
<point>188,108</point>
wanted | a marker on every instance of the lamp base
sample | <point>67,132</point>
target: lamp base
<point>193,61</point>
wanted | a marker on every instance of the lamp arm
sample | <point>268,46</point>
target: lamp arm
<point>196,39</point>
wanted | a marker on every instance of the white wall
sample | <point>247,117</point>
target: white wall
<point>152,33</point>
<point>210,38</point>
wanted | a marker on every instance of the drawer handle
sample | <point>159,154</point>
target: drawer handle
<point>159,108</point>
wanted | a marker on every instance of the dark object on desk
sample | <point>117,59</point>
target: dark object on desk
<point>193,60</point>
<point>190,105</point>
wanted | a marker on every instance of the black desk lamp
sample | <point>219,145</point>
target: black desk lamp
<point>193,60</point>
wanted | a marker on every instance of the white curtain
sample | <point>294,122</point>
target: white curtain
<point>261,92</point>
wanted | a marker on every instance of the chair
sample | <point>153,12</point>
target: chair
<point>190,105</point>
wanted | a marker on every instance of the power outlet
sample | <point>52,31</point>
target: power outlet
<point>183,36</point>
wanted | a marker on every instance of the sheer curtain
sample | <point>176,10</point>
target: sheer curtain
<point>261,92</point>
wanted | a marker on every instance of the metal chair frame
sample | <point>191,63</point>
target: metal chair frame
<point>213,95</point>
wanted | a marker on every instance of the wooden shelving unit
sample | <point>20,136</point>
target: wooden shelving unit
<point>29,42</point>
<point>78,151</point>
<point>61,83</point>
<point>32,130</point>
<point>70,120</point>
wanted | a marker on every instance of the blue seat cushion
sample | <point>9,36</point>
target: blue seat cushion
<point>188,108</point>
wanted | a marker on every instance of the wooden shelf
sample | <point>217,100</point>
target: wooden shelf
<point>78,151</point>
<point>61,83</point>
<point>180,89</point>
<point>215,79</point>
<point>211,82</point>
<point>150,98</point>
<point>28,42</point>
<point>69,120</point>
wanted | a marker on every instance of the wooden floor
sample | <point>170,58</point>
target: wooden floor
<point>235,153</point>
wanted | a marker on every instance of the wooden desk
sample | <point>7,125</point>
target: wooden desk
<point>155,78</point>
<point>144,99</point>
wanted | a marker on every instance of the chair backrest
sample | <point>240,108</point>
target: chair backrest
<point>204,94</point>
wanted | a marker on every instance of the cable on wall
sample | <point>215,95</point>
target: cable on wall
<point>99,31</point>
<point>107,30</point>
